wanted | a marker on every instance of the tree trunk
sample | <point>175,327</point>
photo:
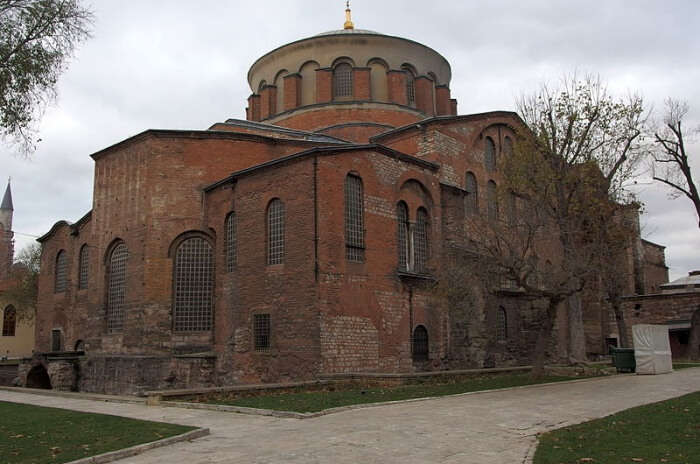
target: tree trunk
<point>545,335</point>
<point>694,340</point>
<point>577,338</point>
<point>621,324</point>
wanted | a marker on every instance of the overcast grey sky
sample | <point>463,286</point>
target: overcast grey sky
<point>182,65</point>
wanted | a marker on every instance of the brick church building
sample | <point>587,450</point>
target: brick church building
<point>305,240</point>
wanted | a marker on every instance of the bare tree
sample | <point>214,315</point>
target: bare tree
<point>671,159</point>
<point>588,145</point>
<point>37,38</point>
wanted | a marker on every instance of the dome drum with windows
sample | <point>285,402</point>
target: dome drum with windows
<point>349,77</point>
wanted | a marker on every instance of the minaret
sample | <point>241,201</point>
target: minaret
<point>6,235</point>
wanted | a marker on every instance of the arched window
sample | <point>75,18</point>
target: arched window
<point>193,285</point>
<point>279,83</point>
<point>275,232</point>
<point>342,81</point>
<point>420,344</point>
<point>472,202</point>
<point>116,287</point>
<point>9,322</point>
<point>354,219</point>
<point>501,324</point>
<point>378,80</point>
<point>508,146</point>
<point>410,85</point>
<point>420,240</point>
<point>403,228</point>
<point>308,82</point>
<point>490,154</point>
<point>84,267</point>
<point>230,242</point>
<point>61,276</point>
<point>492,200</point>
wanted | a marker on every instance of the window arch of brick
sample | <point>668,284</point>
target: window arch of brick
<point>275,232</point>
<point>116,287</point>
<point>342,81</point>
<point>421,347</point>
<point>403,227</point>
<point>61,272</point>
<point>83,267</point>
<point>472,189</point>
<point>490,154</point>
<point>492,200</point>
<point>9,322</point>
<point>421,240</point>
<point>410,84</point>
<point>354,219</point>
<point>501,324</point>
<point>193,284</point>
<point>230,242</point>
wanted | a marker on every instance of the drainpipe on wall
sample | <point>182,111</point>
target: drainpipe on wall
<point>316,269</point>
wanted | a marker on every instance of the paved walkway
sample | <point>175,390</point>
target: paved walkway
<point>485,428</point>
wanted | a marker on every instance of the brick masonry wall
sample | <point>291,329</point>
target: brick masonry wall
<point>327,314</point>
<point>321,117</point>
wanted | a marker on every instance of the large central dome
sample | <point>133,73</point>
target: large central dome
<point>349,78</point>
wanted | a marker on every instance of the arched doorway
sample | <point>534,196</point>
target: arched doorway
<point>420,344</point>
<point>38,378</point>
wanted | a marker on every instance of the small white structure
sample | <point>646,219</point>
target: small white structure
<point>652,349</point>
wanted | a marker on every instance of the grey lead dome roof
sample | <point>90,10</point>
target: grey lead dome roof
<point>348,31</point>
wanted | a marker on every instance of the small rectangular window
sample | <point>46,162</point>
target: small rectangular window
<point>261,332</point>
<point>56,340</point>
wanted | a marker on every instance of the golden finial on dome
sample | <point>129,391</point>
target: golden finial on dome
<point>348,17</point>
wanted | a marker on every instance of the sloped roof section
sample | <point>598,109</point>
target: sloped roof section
<point>7,199</point>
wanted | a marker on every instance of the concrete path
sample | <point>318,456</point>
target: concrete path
<point>484,428</point>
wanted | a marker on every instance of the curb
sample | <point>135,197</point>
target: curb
<point>351,407</point>
<point>138,449</point>
<point>77,395</point>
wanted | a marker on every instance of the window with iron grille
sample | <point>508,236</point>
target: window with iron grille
<point>193,285</point>
<point>490,154</point>
<point>61,276</point>
<point>261,332</point>
<point>402,228</point>
<point>83,267</point>
<point>420,240</point>
<point>342,81</point>
<point>116,288</point>
<point>275,232</point>
<point>492,199</point>
<point>410,88</point>
<point>56,340</point>
<point>501,324</point>
<point>9,322</point>
<point>230,242</point>
<point>420,344</point>
<point>354,219</point>
<point>472,189</point>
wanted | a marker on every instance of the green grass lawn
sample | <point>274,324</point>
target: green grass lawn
<point>32,434</point>
<point>666,432</point>
<point>319,400</point>
<point>685,365</point>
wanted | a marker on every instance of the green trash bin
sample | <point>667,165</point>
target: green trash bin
<point>623,359</point>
